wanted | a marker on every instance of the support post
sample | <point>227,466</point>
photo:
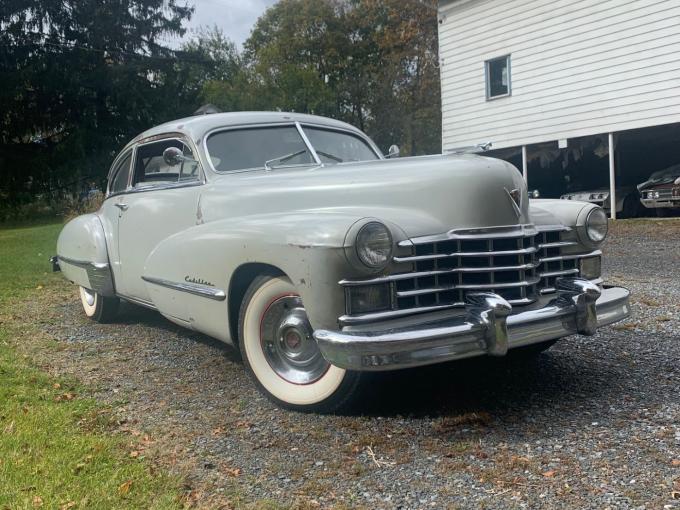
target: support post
<point>612,178</point>
<point>524,164</point>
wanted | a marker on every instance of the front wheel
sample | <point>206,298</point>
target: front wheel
<point>97,307</point>
<point>281,355</point>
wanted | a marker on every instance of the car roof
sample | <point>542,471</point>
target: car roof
<point>197,126</point>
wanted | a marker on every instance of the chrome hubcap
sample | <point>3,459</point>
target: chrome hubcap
<point>288,343</point>
<point>89,296</point>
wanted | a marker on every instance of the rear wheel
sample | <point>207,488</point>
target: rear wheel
<point>631,207</point>
<point>280,353</point>
<point>98,307</point>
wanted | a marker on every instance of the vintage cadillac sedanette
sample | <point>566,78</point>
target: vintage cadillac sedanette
<point>292,238</point>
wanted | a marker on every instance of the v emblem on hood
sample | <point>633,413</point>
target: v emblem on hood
<point>515,197</point>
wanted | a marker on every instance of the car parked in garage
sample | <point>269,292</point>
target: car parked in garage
<point>627,200</point>
<point>661,192</point>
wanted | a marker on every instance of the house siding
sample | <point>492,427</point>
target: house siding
<point>578,68</point>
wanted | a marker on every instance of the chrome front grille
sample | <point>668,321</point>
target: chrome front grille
<point>518,263</point>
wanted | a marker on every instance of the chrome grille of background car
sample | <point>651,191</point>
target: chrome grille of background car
<point>519,265</point>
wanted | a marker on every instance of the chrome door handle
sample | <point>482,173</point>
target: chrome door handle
<point>121,206</point>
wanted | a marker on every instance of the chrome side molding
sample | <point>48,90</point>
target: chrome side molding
<point>190,288</point>
<point>98,274</point>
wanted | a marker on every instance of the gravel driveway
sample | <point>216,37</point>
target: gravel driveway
<point>593,422</point>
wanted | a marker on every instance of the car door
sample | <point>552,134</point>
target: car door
<point>161,201</point>
<point>109,214</point>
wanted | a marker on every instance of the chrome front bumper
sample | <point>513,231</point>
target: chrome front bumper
<point>488,327</point>
<point>661,203</point>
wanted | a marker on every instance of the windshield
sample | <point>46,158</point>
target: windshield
<point>239,149</point>
<point>275,146</point>
<point>337,146</point>
<point>666,173</point>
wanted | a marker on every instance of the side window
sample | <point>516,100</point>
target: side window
<point>120,175</point>
<point>151,168</point>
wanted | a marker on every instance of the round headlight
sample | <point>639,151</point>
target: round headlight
<point>374,245</point>
<point>596,225</point>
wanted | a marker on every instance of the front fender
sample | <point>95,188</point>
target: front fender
<point>569,213</point>
<point>83,257</point>
<point>308,247</point>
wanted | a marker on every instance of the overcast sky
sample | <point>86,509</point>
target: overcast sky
<point>234,17</point>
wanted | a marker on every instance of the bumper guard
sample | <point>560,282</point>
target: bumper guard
<point>488,327</point>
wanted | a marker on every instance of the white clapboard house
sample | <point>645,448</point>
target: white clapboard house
<point>577,93</point>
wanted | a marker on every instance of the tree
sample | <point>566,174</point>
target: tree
<point>80,78</point>
<point>219,76</point>
<point>372,63</point>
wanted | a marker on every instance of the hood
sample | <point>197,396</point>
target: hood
<point>666,176</point>
<point>422,195</point>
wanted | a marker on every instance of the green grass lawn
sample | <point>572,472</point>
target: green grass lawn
<point>56,448</point>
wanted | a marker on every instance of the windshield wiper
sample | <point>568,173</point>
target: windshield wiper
<point>331,156</point>
<point>282,159</point>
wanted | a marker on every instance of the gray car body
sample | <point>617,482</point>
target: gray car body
<point>228,227</point>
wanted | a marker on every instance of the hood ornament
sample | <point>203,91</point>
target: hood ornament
<point>515,197</point>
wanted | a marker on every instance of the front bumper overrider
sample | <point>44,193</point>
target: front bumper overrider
<point>488,327</point>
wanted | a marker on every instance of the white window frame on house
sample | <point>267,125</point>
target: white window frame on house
<point>487,75</point>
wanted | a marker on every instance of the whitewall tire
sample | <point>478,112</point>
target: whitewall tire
<point>279,352</point>
<point>98,307</point>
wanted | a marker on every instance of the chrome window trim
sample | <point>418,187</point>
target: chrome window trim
<point>309,145</point>
<point>220,129</point>
<point>358,134</point>
<point>173,185</point>
<point>111,175</point>
<point>299,125</point>
<point>191,288</point>
<point>181,139</point>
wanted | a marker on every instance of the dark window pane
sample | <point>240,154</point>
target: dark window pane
<point>498,77</point>
<point>121,174</point>
<point>337,147</point>
<point>249,148</point>
<point>150,166</point>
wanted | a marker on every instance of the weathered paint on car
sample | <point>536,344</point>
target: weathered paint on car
<point>189,248</point>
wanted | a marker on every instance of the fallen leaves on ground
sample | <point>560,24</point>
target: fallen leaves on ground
<point>231,471</point>
<point>124,487</point>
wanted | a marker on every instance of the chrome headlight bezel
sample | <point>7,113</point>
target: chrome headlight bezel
<point>597,225</point>
<point>375,257</point>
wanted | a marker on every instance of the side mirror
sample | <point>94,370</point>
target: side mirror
<point>393,151</point>
<point>173,156</point>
